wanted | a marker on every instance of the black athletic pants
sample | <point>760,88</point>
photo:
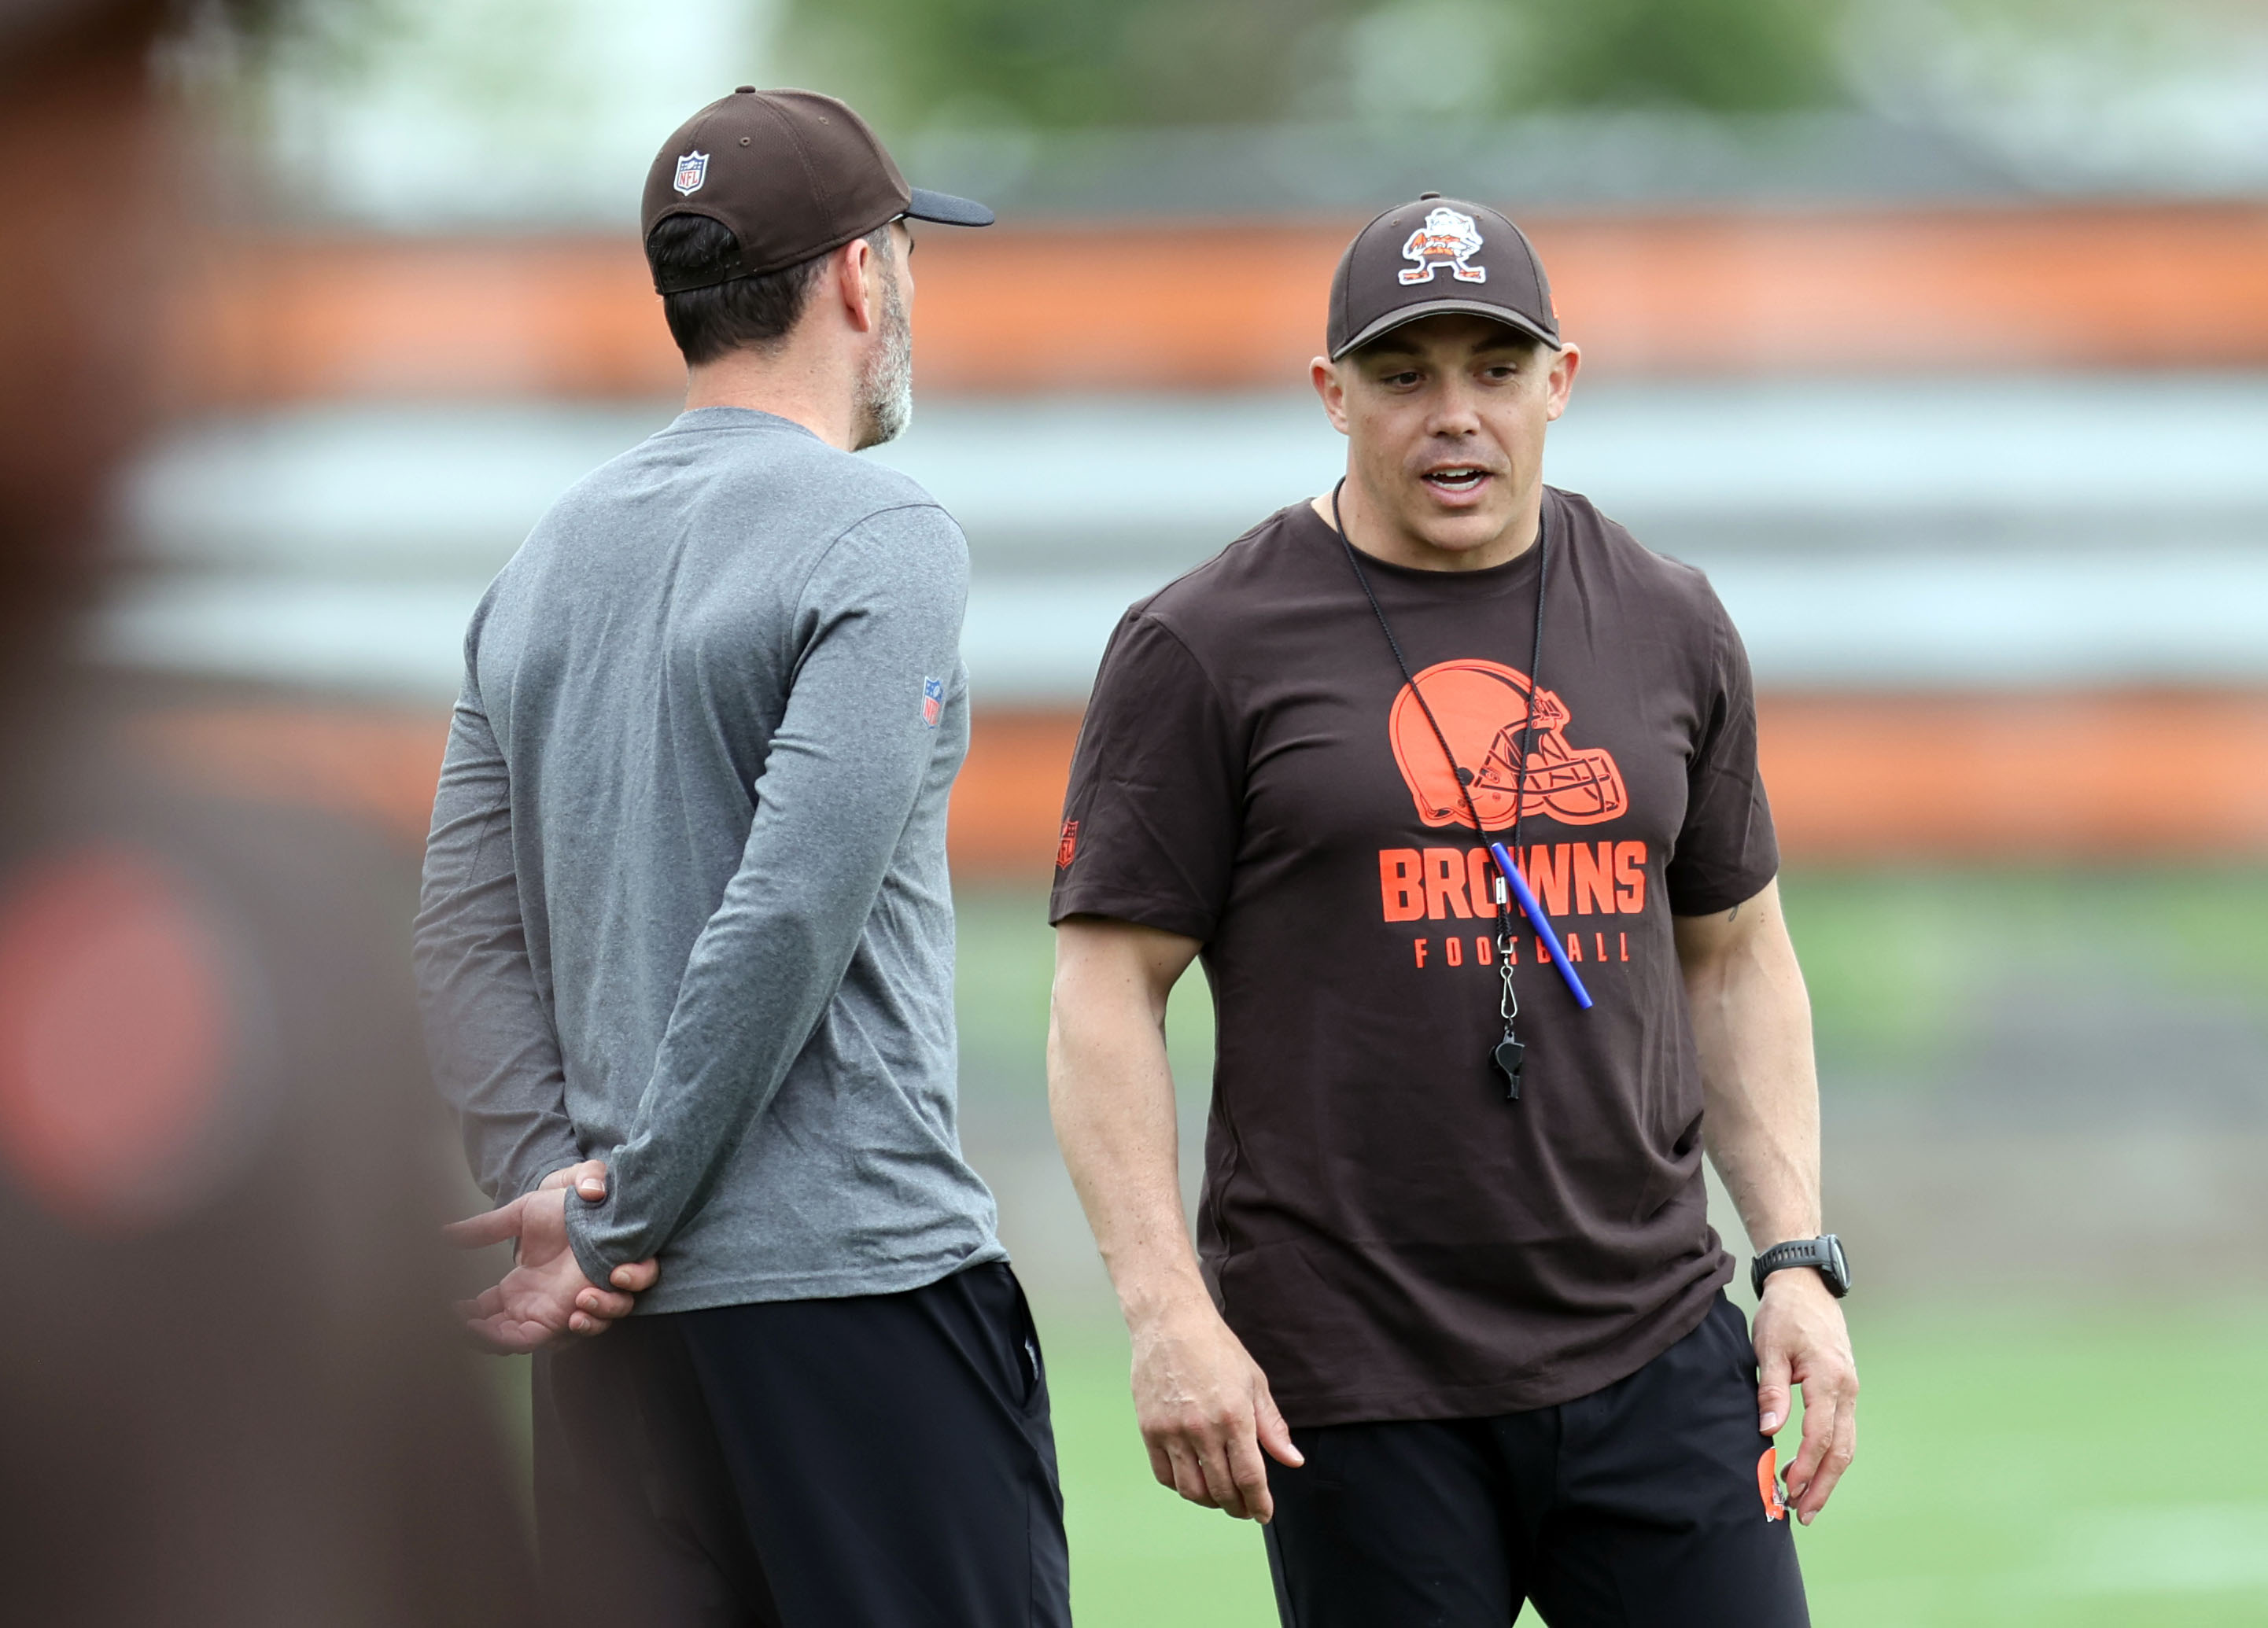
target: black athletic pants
<point>884,1461</point>
<point>1640,1505</point>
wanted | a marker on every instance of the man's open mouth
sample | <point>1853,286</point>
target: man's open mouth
<point>1456,478</point>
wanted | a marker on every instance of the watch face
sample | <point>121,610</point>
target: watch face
<point>1838,1269</point>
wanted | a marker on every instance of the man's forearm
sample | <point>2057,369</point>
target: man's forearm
<point>1752,1025</point>
<point>1111,1092</point>
<point>494,1049</point>
<point>756,987</point>
<point>1203,1403</point>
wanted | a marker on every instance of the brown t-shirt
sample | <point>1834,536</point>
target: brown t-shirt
<point>1390,1238</point>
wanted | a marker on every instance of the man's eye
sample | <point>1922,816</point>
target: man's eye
<point>1404,379</point>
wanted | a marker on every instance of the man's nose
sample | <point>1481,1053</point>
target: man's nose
<point>1455,412</point>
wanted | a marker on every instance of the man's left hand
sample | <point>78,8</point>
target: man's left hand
<point>545,1295</point>
<point>1801,1339</point>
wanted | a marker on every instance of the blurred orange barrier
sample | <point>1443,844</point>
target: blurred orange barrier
<point>1228,305</point>
<point>377,764</point>
<point>2143,287</point>
<point>293,318</point>
<point>1007,805</point>
<point>2122,776</point>
<point>2025,779</point>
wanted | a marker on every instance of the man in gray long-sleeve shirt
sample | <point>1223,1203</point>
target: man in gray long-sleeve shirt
<point>686,954</point>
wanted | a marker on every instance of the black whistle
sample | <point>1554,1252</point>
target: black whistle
<point>1507,1056</point>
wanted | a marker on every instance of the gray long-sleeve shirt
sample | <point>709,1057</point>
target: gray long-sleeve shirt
<point>686,906</point>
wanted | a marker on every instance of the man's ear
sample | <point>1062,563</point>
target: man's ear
<point>1324,376</point>
<point>1561,380</point>
<point>855,272</point>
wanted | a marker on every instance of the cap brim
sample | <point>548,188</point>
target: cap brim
<point>947,210</point>
<point>1406,314</point>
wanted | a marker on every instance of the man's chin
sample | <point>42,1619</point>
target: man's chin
<point>880,423</point>
<point>1463,532</point>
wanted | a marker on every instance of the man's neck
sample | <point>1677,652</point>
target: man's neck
<point>794,382</point>
<point>1382,539</point>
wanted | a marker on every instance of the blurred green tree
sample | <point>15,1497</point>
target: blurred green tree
<point>1064,63</point>
<point>1725,56</point>
<point>1072,63</point>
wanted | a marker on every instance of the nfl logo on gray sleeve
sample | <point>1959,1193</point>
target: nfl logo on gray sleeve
<point>692,170</point>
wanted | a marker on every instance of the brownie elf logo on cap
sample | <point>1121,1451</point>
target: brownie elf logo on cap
<point>1387,275</point>
<point>1448,237</point>
<point>692,170</point>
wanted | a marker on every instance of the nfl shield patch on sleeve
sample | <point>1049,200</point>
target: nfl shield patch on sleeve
<point>932,702</point>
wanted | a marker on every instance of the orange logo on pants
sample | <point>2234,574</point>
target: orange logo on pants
<point>1768,1484</point>
<point>1483,708</point>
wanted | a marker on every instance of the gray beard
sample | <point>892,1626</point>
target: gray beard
<point>886,388</point>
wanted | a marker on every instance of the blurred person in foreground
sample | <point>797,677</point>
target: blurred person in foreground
<point>687,950</point>
<point>231,1393</point>
<point>1455,1273</point>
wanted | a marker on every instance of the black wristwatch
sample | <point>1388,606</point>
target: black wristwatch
<point>1823,1253</point>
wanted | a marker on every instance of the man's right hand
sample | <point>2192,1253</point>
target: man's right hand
<point>1205,1413</point>
<point>546,1294</point>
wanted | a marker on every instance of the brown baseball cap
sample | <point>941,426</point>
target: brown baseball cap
<point>792,174</point>
<point>1438,254</point>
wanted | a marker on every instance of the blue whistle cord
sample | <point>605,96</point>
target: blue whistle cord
<point>1541,923</point>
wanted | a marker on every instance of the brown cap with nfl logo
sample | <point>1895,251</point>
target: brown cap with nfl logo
<point>1438,254</point>
<point>792,174</point>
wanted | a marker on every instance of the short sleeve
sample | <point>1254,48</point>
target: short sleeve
<point>1727,851</point>
<point>1154,811</point>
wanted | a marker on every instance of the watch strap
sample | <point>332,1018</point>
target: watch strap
<point>1823,1253</point>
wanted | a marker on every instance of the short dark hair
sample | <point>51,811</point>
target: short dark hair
<point>745,313</point>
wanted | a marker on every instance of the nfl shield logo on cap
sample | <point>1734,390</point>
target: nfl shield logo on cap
<point>692,170</point>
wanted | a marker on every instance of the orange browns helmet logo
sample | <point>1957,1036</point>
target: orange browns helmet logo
<point>1482,707</point>
<point>1450,238</point>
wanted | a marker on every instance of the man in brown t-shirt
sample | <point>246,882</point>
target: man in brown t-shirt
<point>1454,1271</point>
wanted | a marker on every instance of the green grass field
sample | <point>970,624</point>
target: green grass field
<point>2088,1463</point>
<point>2079,1463</point>
<point>2048,1467</point>
<point>2042,1467</point>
